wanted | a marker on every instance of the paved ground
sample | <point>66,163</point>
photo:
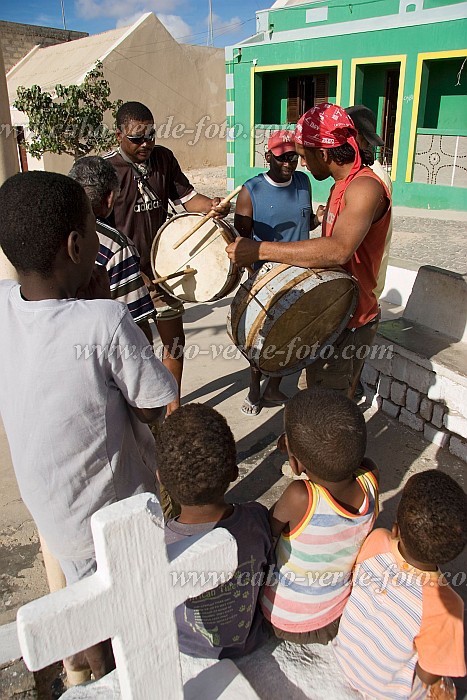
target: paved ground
<point>221,382</point>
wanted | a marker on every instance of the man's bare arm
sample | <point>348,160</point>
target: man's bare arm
<point>363,204</point>
<point>243,220</point>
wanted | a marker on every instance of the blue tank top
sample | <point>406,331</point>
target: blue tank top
<point>280,213</point>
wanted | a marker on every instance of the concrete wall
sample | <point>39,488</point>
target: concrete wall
<point>181,84</point>
<point>416,372</point>
<point>19,39</point>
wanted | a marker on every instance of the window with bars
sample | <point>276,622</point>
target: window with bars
<point>304,92</point>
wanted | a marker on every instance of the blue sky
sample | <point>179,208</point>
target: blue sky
<point>234,20</point>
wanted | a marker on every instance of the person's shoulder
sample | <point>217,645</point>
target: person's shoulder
<point>365,183</point>
<point>441,598</point>
<point>377,542</point>
<point>383,174</point>
<point>113,155</point>
<point>6,286</point>
<point>253,515</point>
<point>107,312</point>
<point>301,178</point>
<point>253,508</point>
<point>161,152</point>
<point>117,239</point>
<point>255,181</point>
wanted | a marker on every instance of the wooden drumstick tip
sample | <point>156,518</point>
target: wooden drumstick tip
<point>186,271</point>
<point>205,218</point>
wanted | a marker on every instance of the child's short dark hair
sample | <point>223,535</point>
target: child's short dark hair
<point>326,433</point>
<point>132,111</point>
<point>39,211</point>
<point>432,517</point>
<point>196,455</point>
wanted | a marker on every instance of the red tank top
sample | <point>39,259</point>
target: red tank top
<point>365,262</point>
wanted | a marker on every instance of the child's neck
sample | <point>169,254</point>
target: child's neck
<point>211,513</point>
<point>348,493</point>
<point>421,565</point>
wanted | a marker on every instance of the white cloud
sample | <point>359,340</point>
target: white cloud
<point>174,24</point>
<point>127,21</point>
<point>90,9</point>
<point>223,25</point>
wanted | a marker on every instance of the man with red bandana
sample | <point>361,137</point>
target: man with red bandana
<point>355,225</point>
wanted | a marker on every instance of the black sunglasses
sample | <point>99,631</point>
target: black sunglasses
<point>141,139</point>
<point>287,157</point>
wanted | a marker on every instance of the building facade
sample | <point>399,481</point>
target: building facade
<point>142,62</point>
<point>405,59</point>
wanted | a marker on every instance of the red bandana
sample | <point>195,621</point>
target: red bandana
<point>328,126</point>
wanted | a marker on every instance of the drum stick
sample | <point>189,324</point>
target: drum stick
<point>186,271</point>
<point>206,218</point>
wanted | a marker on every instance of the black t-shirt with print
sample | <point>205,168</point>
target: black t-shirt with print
<point>141,207</point>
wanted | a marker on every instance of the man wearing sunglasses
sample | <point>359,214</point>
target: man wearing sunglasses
<point>150,177</point>
<point>275,206</point>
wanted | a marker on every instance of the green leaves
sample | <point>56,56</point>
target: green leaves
<point>71,120</point>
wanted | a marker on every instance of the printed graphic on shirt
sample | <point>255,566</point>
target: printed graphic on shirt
<point>224,615</point>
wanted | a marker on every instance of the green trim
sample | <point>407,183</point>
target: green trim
<point>443,132</point>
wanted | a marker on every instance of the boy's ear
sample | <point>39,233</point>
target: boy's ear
<point>73,247</point>
<point>395,531</point>
<point>295,465</point>
<point>158,476</point>
<point>235,473</point>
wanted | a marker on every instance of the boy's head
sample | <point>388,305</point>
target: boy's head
<point>46,220</point>
<point>326,433</point>
<point>196,455</point>
<point>432,517</point>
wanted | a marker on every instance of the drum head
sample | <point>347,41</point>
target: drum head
<point>204,251</point>
<point>283,316</point>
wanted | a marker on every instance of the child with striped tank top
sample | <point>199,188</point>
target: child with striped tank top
<point>322,519</point>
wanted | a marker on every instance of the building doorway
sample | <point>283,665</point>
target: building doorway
<point>377,86</point>
<point>388,125</point>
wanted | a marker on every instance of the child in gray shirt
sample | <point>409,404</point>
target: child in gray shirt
<point>197,462</point>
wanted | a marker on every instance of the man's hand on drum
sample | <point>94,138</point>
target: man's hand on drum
<point>243,251</point>
<point>220,209</point>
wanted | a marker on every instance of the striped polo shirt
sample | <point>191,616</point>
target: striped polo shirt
<point>121,260</point>
<point>311,581</point>
<point>396,616</point>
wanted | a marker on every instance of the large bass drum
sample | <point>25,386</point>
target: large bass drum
<point>283,316</point>
<point>215,277</point>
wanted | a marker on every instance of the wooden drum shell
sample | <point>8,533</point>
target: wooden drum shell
<point>281,303</point>
<point>216,276</point>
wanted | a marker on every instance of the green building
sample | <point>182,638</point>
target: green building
<point>405,59</point>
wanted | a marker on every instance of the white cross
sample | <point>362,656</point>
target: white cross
<point>131,599</point>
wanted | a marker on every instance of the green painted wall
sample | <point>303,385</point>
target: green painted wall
<point>409,41</point>
<point>445,105</point>
<point>274,89</point>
